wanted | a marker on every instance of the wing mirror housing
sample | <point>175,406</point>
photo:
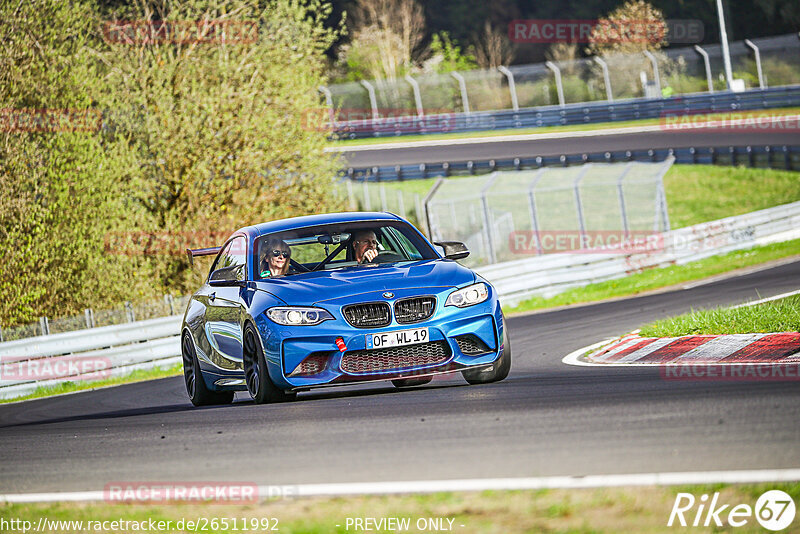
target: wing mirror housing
<point>454,250</point>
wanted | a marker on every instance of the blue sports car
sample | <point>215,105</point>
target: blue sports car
<point>336,299</point>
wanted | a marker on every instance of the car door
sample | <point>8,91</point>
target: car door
<point>224,307</point>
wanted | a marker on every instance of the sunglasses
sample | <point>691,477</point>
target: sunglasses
<point>284,253</point>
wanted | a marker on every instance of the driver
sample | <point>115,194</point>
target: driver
<point>365,246</point>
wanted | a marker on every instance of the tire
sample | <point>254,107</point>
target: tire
<point>499,369</point>
<point>408,382</point>
<point>196,387</point>
<point>256,376</point>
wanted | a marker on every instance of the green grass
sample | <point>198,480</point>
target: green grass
<point>517,131</point>
<point>70,387</point>
<point>598,510</point>
<point>781,315</point>
<point>702,193</point>
<point>665,277</point>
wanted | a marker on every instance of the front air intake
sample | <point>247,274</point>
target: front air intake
<point>414,310</point>
<point>368,315</point>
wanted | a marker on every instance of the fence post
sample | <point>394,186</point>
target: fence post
<point>707,63</point>
<point>761,84</point>
<point>1,334</point>
<point>382,191</point>
<point>512,88</point>
<point>417,95</point>
<point>89,313</point>
<point>129,312</point>
<point>401,204</point>
<point>44,325</point>
<point>367,202</point>
<point>654,63</point>
<point>462,85</point>
<point>421,215</point>
<point>578,205</point>
<point>559,87</point>
<point>621,193</point>
<point>373,102</point>
<point>436,185</point>
<point>170,303</point>
<point>329,101</point>
<point>606,77</point>
<point>662,193</point>
<point>532,208</point>
<point>487,218</point>
<point>350,195</point>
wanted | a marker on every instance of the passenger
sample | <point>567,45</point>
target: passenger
<point>365,246</point>
<point>275,261</point>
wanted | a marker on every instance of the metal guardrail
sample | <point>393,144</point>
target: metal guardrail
<point>551,274</point>
<point>109,350</point>
<point>763,156</point>
<point>570,114</point>
<point>156,342</point>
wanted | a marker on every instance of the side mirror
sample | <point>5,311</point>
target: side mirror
<point>227,276</point>
<point>454,250</point>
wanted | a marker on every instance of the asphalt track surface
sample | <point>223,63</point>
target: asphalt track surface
<point>481,151</point>
<point>546,418</point>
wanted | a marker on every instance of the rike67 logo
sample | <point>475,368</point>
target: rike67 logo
<point>774,510</point>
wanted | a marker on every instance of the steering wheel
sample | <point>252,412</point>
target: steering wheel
<point>386,256</point>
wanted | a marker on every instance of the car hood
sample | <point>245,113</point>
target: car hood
<point>311,288</point>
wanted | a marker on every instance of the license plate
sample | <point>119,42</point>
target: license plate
<point>397,338</point>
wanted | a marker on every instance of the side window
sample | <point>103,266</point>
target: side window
<point>231,263</point>
<point>407,247</point>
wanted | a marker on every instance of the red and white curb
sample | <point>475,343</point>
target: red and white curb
<point>632,349</point>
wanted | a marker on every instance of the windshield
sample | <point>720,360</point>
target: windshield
<point>337,246</point>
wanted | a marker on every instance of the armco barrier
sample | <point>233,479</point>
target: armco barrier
<point>550,274</point>
<point>120,348</point>
<point>579,113</point>
<point>773,157</point>
<point>156,342</point>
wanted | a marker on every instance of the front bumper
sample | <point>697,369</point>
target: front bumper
<point>287,347</point>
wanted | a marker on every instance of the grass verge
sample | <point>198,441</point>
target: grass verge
<point>70,387</point>
<point>612,510</point>
<point>781,315</point>
<point>520,131</point>
<point>665,277</point>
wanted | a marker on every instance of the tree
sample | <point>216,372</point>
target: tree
<point>492,48</point>
<point>631,28</point>
<point>386,36</point>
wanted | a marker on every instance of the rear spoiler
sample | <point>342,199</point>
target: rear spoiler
<point>192,252</point>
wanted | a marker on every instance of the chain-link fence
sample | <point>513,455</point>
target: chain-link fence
<point>510,215</point>
<point>128,312</point>
<point>669,72</point>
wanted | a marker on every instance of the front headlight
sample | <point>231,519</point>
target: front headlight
<point>468,296</point>
<point>298,315</point>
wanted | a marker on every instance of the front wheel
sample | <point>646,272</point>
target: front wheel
<point>256,376</point>
<point>196,387</point>
<point>499,369</point>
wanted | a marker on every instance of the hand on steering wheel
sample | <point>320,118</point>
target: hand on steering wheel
<point>369,255</point>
